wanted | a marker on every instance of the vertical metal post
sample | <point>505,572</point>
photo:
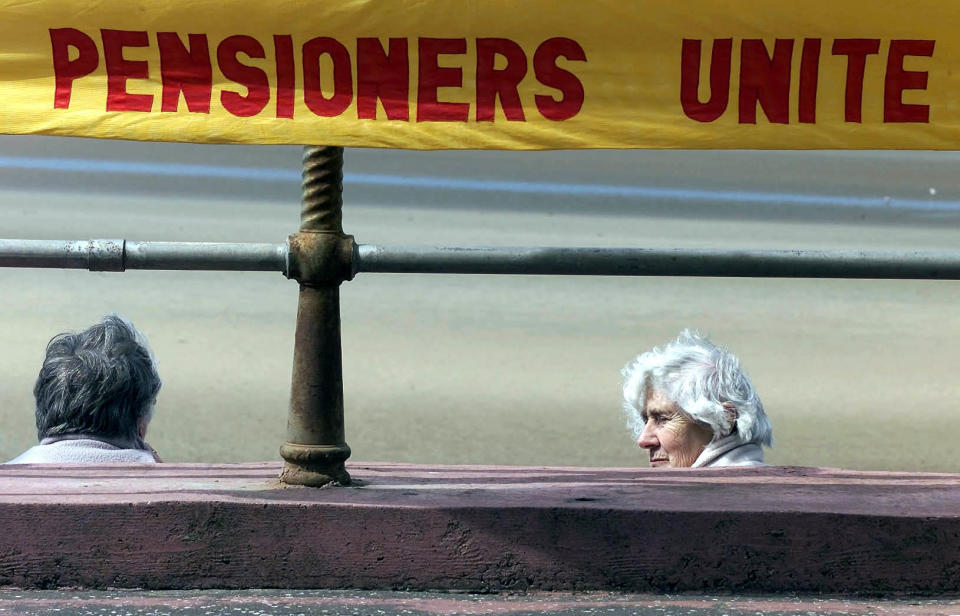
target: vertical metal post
<point>320,258</point>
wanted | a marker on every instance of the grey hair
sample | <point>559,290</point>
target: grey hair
<point>102,382</point>
<point>699,376</point>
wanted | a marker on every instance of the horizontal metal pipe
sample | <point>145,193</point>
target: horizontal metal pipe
<point>207,256</point>
<point>117,255</point>
<point>660,262</point>
<point>120,255</point>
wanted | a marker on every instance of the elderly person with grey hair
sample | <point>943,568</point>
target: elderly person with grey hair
<point>690,404</point>
<point>95,397</point>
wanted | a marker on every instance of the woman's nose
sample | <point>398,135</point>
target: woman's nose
<point>648,439</point>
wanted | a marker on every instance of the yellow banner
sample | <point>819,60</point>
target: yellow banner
<point>496,74</point>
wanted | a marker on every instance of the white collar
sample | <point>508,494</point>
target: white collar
<point>731,450</point>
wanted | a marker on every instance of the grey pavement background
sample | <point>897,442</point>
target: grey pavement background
<point>376,603</point>
<point>502,370</point>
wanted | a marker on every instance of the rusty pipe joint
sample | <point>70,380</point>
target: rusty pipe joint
<point>106,255</point>
<point>321,257</point>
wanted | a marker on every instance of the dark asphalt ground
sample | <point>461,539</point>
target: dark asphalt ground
<point>385,603</point>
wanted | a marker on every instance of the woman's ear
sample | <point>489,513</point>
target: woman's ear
<point>731,413</point>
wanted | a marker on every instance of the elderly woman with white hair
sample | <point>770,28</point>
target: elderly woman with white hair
<point>95,397</point>
<point>690,404</point>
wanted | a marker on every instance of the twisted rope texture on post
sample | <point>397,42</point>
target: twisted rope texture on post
<point>322,189</point>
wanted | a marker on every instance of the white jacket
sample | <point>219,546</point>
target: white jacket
<point>80,451</point>
<point>730,451</point>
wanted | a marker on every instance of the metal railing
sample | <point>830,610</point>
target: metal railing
<point>320,257</point>
<point>117,255</point>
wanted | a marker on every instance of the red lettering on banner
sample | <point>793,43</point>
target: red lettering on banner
<point>342,77</point>
<point>897,80</point>
<point>549,74</point>
<point>765,79</point>
<point>720,60</point>
<point>809,76</point>
<point>856,51</point>
<point>432,77</point>
<point>493,82</point>
<point>65,69</point>
<point>286,74</point>
<point>187,71</point>
<point>119,70</point>
<point>254,79</point>
<point>383,75</point>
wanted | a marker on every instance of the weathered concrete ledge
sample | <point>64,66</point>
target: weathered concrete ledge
<point>481,528</point>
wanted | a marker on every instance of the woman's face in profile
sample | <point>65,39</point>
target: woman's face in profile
<point>670,437</point>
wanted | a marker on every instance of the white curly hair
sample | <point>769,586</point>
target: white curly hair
<point>699,376</point>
